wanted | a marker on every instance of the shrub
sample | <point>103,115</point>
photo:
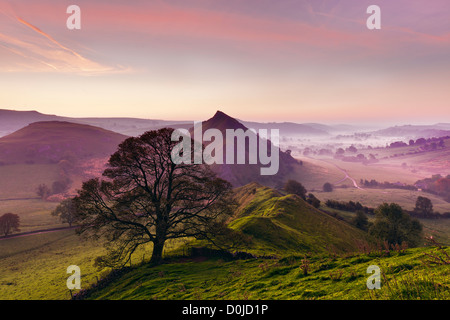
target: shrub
<point>295,187</point>
<point>327,187</point>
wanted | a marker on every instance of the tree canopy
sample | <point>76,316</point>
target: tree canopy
<point>66,211</point>
<point>146,197</point>
<point>395,226</point>
<point>295,187</point>
<point>424,207</point>
<point>327,187</point>
<point>9,223</point>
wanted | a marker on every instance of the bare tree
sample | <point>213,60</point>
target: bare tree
<point>149,198</point>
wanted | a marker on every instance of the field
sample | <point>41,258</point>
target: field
<point>344,175</point>
<point>416,160</point>
<point>374,197</point>
<point>21,180</point>
<point>314,173</point>
<point>438,228</point>
<point>34,267</point>
<point>34,214</point>
<point>18,185</point>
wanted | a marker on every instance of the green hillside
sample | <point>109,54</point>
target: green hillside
<point>316,257</point>
<point>287,224</point>
<point>404,275</point>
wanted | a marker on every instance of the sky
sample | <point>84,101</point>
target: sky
<point>260,60</point>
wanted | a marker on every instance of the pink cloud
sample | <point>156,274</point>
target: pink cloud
<point>33,50</point>
<point>322,37</point>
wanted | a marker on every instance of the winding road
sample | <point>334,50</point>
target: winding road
<point>346,177</point>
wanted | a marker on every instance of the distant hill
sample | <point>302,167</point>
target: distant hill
<point>280,223</point>
<point>290,128</point>
<point>416,131</point>
<point>12,120</point>
<point>241,174</point>
<point>52,141</point>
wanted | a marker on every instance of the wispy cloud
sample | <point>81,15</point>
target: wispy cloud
<point>50,38</point>
<point>31,49</point>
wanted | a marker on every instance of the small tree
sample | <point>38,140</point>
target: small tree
<point>327,187</point>
<point>352,149</point>
<point>295,187</point>
<point>360,220</point>
<point>312,200</point>
<point>66,211</point>
<point>395,226</point>
<point>43,191</point>
<point>424,207</point>
<point>9,223</point>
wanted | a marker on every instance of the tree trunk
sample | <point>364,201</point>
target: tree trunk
<point>158,247</point>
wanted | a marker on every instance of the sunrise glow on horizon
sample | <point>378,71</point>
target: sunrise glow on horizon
<point>261,60</point>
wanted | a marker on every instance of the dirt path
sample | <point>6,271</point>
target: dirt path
<point>347,176</point>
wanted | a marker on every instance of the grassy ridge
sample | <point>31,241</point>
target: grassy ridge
<point>403,276</point>
<point>302,236</point>
<point>287,224</point>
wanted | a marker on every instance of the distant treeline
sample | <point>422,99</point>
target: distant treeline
<point>350,206</point>
<point>387,185</point>
<point>437,185</point>
<point>431,215</point>
<point>429,144</point>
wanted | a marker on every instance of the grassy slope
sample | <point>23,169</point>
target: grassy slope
<point>404,276</point>
<point>34,267</point>
<point>287,224</point>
